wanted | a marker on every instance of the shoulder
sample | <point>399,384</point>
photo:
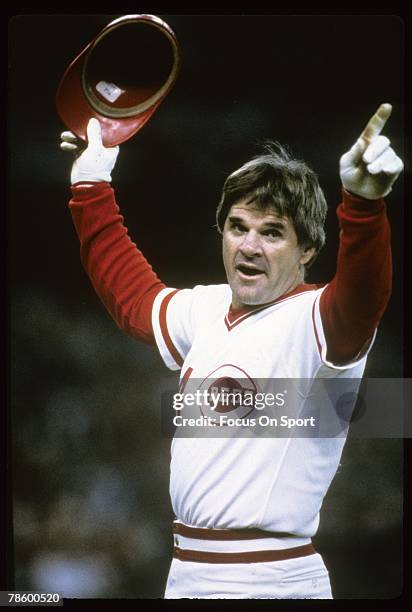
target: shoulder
<point>301,297</point>
<point>212,292</point>
<point>206,300</point>
<point>200,298</point>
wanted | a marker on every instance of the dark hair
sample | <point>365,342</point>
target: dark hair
<point>276,179</point>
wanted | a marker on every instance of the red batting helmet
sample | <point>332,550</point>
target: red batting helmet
<point>120,77</point>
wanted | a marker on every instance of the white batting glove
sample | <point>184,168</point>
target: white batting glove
<point>371,166</point>
<point>96,162</point>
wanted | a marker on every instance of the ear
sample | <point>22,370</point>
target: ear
<point>307,255</point>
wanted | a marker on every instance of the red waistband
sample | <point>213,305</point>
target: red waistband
<point>256,556</point>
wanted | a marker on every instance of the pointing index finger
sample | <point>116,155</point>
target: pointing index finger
<point>376,123</point>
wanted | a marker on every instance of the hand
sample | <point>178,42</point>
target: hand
<point>371,166</point>
<point>96,162</point>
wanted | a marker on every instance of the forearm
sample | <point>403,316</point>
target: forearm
<point>120,274</point>
<point>353,303</point>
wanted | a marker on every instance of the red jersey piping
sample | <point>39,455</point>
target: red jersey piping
<point>165,332</point>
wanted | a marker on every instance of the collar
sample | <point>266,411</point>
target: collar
<point>237,315</point>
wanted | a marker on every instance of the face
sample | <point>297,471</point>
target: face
<point>261,254</point>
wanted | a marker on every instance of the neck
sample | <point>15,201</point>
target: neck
<point>298,280</point>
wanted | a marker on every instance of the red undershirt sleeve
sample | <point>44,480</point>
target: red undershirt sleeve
<point>352,305</point>
<point>120,274</point>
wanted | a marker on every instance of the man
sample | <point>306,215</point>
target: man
<point>246,508</point>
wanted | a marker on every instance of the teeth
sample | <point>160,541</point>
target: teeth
<point>248,270</point>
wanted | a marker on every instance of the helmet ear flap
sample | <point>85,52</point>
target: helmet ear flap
<point>120,78</point>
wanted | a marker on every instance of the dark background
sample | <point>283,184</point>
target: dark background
<point>89,466</point>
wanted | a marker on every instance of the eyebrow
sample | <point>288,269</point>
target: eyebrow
<point>266,225</point>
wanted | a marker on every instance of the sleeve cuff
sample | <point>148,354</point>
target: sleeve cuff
<point>360,207</point>
<point>87,189</point>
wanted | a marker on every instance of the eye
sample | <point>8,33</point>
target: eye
<point>272,233</point>
<point>237,227</point>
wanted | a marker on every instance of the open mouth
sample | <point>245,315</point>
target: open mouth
<point>249,270</point>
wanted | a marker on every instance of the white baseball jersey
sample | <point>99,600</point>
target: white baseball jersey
<point>277,483</point>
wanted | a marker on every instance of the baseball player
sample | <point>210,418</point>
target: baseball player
<point>246,508</point>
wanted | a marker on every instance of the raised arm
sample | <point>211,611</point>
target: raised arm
<point>120,274</point>
<point>353,303</point>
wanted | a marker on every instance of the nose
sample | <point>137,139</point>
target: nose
<point>250,245</point>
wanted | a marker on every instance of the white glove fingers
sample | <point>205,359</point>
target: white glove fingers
<point>375,149</point>
<point>376,123</point>
<point>370,167</point>
<point>94,134</point>
<point>68,146</point>
<point>383,161</point>
<point>393,168</point>
<point>68,136</point>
